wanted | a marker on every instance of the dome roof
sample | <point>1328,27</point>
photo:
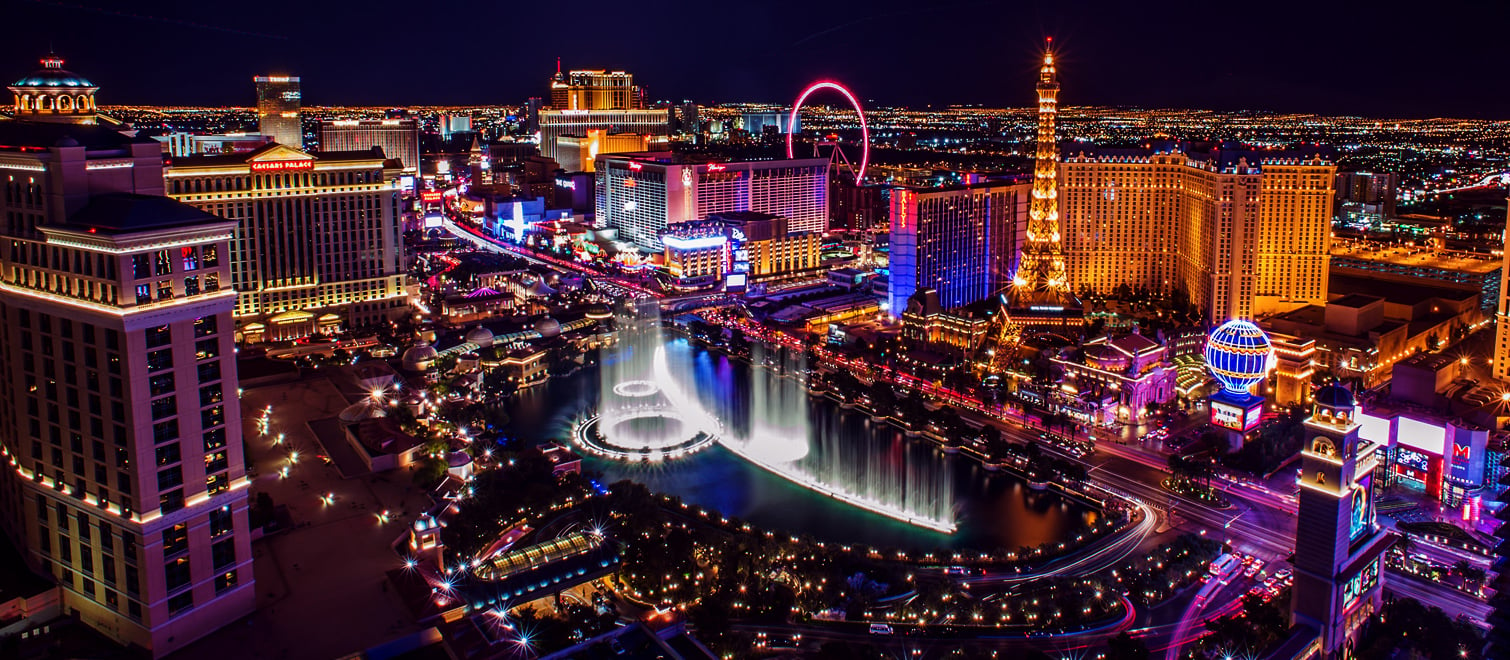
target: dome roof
<point>52,74</point>
<point>548,327</point>
<point>481,336</point>
<point>1334,395</point>
<point>419,355</point>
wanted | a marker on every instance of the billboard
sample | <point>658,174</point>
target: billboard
<point>1427,438</point>
<point>434,220</point>
<point>1234,417</point>
<point>1415,460</point>
<point>430,197</point>
<point>1465,455</point>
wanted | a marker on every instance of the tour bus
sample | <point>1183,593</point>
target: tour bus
<point>1223,564</point>
<point>880,629</point>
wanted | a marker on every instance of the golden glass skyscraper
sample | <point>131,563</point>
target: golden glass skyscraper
<point>278,101</point>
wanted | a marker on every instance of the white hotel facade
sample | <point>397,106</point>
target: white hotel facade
<point>640,194</point>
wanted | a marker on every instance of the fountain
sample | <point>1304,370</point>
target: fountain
<point>643,412</point>
<point>881,479</point>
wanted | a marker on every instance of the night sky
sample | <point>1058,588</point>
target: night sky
<point>1438,58</point>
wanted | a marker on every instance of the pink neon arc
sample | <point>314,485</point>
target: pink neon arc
<point>864,128</point>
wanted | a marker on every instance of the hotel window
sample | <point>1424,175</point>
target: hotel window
<point>170,478</point>
<point>171,501</point>
<point>165,290</point>
<point>224,553</point>
<point>225,581</point>
<point>163,263</point>
<point>191,285</point>
<point>221,522</point>
<point>143,294</point>
<point>141,266</point>
<point>211,283</point>
<point>176,574</point>
<point>190,257</point>
<point>160,359</point>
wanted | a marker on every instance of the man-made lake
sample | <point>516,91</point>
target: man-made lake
<point>844,448</point>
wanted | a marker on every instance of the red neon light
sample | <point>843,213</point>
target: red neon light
<point>715,167</point>
<point>1461,451</point>
<point>635,166</point>
<point>864,127</point>
<point>283,165</point>
<point>429,197</point>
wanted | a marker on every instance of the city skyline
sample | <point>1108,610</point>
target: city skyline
<point>612,377</point>
<point>1426,70</point>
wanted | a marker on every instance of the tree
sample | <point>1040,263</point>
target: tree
<point>1126,647</point>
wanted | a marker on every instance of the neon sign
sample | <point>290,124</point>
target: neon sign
<point>282,165</point>
<point>429,197</point>
<point>633,166</point>
<point>715,167</point>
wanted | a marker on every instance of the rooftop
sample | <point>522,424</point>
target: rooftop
<point>36,136</point>
<point>1355,300</point>
<point>125,213</point>
<point>1221,155</point>
<point>1400,293</point>
<point>1420,257</point>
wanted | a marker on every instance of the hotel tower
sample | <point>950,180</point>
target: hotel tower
<point>121,468</point>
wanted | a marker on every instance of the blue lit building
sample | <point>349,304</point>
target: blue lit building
<point>961,241</point>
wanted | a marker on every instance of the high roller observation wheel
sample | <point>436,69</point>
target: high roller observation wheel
<point>853,102</point>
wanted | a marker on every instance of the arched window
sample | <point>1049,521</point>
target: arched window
<point>1320,479</point>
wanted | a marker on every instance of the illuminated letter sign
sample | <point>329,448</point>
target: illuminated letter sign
<point>430,197</point>
<point>715,167</point>
<point>633,166</point>
<point>282,165</point>
<point>1461,453</point>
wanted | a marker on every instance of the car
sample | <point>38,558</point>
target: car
<point>1206,577</point>
<point>1256,591</point>
<point>880,629</point>
<point>1271,582</point>
<point>1250,571</point>
<point>1284,573</point>
<point>1248,560</point>
<point>1258,564</point>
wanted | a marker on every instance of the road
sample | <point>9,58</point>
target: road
<point>1451,601</point>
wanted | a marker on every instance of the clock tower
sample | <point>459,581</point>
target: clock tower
<point>1338,544</point>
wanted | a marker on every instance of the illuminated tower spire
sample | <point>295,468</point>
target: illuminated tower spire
<point>1040,293</point>
<point>1041,267</point>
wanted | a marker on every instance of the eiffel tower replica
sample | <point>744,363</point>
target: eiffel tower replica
<point>1039,296</point>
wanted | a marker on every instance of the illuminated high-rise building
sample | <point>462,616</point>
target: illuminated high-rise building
<point>122,475</point>
<point>1040,293</point>
<point>278,102</point>
<point>1243,232</point>
<point>594,89</point>
<point>317,245</point>
<point>640,194</point>
<point>1502,320</point>
<point>956,240</point>
<point>558,124</point>
<point>1339,546</point>
<point>398,138</point>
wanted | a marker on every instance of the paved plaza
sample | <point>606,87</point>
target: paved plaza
<point>321,586</point>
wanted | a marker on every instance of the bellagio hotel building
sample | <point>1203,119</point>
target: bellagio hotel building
<point>318,244</point>
<point>121,467</point>
<point>1244,232</point>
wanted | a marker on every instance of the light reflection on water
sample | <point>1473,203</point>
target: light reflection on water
<point>991,509</point>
